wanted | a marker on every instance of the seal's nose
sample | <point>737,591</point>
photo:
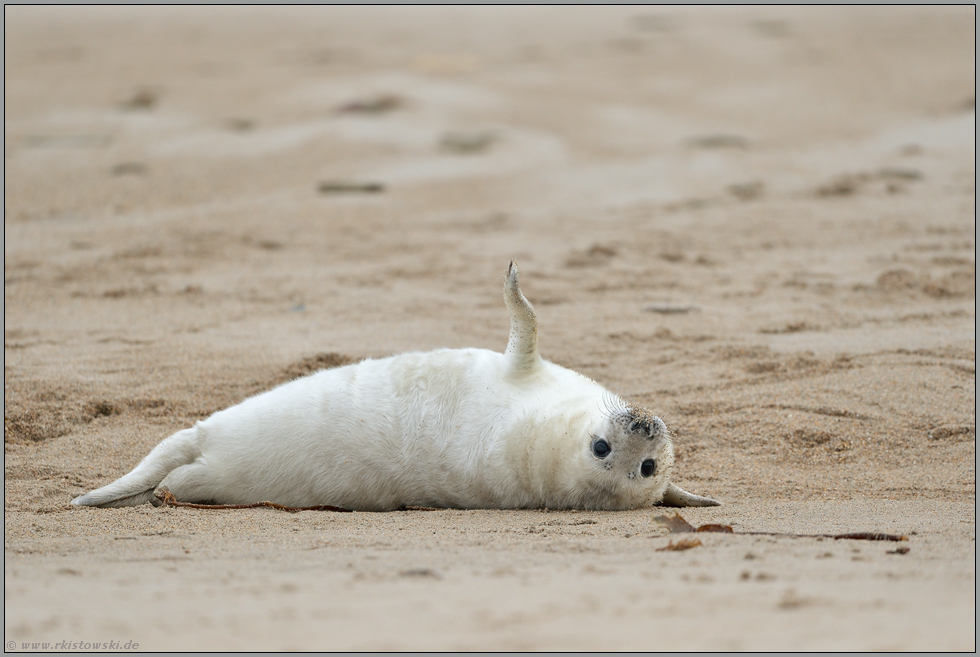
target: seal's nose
<point>650,428</point>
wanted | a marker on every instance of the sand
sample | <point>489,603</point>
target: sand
<point>757,222</point>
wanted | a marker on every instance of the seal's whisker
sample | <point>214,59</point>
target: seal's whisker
<point>613,405</point>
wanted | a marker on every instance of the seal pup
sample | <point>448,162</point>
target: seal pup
<point>462,428</point>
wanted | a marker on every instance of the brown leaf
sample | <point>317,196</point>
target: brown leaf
<point>675,523</point>
<point>682,544</point>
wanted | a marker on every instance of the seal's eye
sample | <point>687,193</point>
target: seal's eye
<point>601,448</point>
<point>648,468</point>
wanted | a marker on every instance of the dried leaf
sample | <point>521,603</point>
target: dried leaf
<point>682,544</point>
<point>675,524</point>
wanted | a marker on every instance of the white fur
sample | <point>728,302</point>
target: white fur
<point>465,428</point>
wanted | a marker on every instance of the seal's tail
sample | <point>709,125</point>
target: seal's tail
<point>137,487</point>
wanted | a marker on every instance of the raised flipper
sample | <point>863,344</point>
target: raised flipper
<point>522,348</point>
<point>677,496</point>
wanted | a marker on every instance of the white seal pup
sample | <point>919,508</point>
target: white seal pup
<point>463,428</point>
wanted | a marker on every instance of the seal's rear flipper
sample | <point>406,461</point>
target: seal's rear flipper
<point>132,500</point>
<point>677,496</point>
<point>137,487</point>
<point>522,348</point>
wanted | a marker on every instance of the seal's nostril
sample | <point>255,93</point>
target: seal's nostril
<point>639,426</point>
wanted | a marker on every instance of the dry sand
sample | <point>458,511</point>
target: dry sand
<point>758,222</point>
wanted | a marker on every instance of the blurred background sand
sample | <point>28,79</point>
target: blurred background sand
<point>758,222</point>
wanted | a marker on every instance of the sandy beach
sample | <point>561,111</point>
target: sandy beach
<point>758,222</point>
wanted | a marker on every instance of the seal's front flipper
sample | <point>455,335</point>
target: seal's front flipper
<point>677,496</point>
<point>522,348</point>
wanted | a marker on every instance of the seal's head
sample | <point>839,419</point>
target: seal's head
<point>632,454</point>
